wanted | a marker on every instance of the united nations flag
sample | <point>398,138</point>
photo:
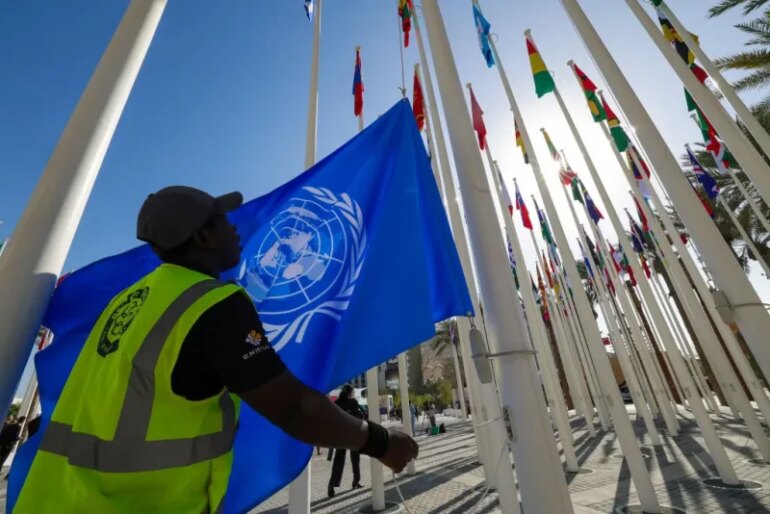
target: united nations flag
<point>349,264</point>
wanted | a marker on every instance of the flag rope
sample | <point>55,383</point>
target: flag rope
<point>401,53</point>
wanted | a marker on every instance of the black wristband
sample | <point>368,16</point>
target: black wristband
<point>376,441</point>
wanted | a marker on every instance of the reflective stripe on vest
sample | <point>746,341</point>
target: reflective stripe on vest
<point>129,451</point>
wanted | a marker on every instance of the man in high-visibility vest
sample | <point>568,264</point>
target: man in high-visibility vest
<point>146,420</point>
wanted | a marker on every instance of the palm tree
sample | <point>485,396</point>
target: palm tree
<point>735,201</point>
<point>725,5</point>
<point>445,338</point>
<point>756,61</point>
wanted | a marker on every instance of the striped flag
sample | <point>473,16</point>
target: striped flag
<point>619,135</point>
<point>358,87</point>
<point>593,210</point>
<point>405,9</point>
<point>309,9</point>
<point>589,90</point>
<point>520,142</point>
<point>543,80</point>
<point>642,216</point>
<point>552,149</point>
<point>644,185</point>
<point>522,207</point>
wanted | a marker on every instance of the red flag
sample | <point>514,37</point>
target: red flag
<point>478,121</point>
<point>358,87</point>
<point>521,206</point>
<point>418,103</point>
<point>405,12</point>
<point>610,285</point>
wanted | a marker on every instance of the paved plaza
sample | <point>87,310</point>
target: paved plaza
<point>450,478</point>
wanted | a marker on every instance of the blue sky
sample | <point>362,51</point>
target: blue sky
<point>221,100</point>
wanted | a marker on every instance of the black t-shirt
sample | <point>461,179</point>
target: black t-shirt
<point>226,347</point>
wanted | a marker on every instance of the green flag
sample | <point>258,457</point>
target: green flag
<point>576,190</point>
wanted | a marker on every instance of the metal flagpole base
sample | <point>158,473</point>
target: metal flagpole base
<point>390,508</point>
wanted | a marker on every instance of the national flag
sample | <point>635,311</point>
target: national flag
<point>543,80</point>
<point>405,13</point>
<point>710,185</point>
<point>589,90</point>
<point>673,37</point>
<point>593,210</point>
<point>566,174</point>
<point>645,265</point>
<point>555,274</point>
<point>548,275</point>
<point>545,230</point>
<point>644,185</point>
<point>512,262</point>
<point>374,193</point>
<point>522,207</point>
<point>482,30</point>
<point>358,87</point>
<point>520,142</point>
<point>642,216</point>
<point>637,237</point>
<point>543,295</point>
<point>597,256</point>
<point>418,101</point>
<point>309,9</point>
<point>713,142</point>
<point>478,121</point>
<point>535,292</point>
<point>619,135</point>
<point>616,258</point>
<point>626,266</point>
<point>576,195</point>
<point>586,260</point>
<point>506,196</point>
<point>706,204</point>
<point>555,155</point>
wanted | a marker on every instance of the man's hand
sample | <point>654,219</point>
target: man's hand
<point>401,450</point>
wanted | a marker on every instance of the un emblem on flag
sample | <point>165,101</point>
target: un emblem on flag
<point>304,263</point>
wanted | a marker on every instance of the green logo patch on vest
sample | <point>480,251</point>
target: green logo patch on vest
<point>120,320</point>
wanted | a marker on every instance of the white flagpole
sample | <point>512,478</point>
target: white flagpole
<point>373,402</point>
<point>406,411</point>
<point>634,384</point>
<point>547,368</point>
<point>576,379</point>
<point>485,403</point>
<point>752,161</point>
<point>622,423</point>
<point>695,312</point>
<point>747,118</point>
<point>299,489</point>
<point>601,404</point>
<point>745,304</point>
<point>538,467</point>
<point>745,236</point>
<point>43,236</point>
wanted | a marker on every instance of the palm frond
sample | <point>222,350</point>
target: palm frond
<point>753,5</point>
<point>754,80</point>
<point>744,60</point>
<point>724,6</point>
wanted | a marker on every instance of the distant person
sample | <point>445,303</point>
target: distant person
<point>413,416</point>
<point>147,417</point>
<point>348,403</point>
<point>432,415</point>
<point>9,435</point>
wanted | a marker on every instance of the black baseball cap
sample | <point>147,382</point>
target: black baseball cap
<point>169,217</point>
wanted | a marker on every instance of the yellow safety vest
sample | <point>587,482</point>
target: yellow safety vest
<point>120,440</point>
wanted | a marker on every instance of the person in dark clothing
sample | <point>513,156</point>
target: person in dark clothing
<point>349,404</point>
<point>8,437</point>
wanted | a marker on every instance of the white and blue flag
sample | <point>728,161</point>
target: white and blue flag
<point>349,264</point>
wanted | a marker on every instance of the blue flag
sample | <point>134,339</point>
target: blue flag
<point>349,264</point>
<point>483,27</point>
<point>309,9</point>
<point>710,185</point>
